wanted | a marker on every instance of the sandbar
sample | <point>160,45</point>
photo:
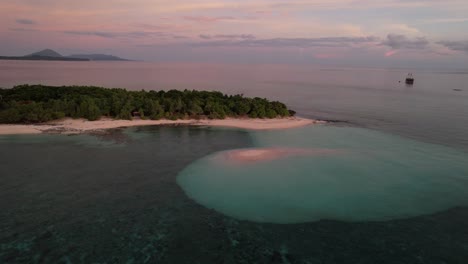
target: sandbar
<point>254,155</point>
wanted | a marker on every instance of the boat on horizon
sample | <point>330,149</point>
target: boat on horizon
<point>409,79</point>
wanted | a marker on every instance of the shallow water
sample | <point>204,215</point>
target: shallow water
<point>115,199</point>
<point>87,199</point>
<point>371,176</point>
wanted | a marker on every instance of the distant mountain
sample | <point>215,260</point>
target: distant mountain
<point>51,55</point>
<point>41,58</point>
<point>97,57</point>
<point>46,53</point>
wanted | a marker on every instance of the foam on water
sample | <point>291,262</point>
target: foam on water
<point>372,176</point>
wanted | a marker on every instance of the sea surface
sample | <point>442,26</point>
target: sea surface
<point>394,189</point>
<point>434,109</point>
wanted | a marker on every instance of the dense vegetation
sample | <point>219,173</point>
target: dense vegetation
<point>38,103</point>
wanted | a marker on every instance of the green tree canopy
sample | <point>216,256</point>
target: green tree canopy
<point>39,103</point>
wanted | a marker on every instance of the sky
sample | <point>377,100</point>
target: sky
<point>412,33</point>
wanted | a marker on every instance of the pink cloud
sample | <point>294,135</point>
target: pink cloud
<point>325,56</point>
<point>391,53</point>
<point>207,19</point>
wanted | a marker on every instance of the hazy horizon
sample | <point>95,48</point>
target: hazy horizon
<point>390,33</point>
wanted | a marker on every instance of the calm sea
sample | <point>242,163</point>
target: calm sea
<point>394,190</point>
<point>434,110</point>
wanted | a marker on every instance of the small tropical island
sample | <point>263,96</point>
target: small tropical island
<point>39,108</point>
<point>52,55</point>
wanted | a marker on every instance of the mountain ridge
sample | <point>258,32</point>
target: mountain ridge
<point>52,55</point>
<point>46,53</point>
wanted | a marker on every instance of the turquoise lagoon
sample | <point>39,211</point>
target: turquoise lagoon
<point>116,198</point>
<point>372,176</point>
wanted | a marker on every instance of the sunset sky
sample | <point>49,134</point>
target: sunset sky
<point>362,32</point>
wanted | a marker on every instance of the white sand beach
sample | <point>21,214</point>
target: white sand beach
<point>74,126</point>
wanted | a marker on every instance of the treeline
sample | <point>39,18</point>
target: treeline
<point>38,103</point>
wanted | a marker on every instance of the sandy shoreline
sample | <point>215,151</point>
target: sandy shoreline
<point>75,126</point>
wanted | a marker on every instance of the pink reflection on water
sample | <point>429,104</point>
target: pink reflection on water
<point>255,155</point>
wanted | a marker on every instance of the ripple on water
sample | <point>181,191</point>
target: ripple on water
<point>326,172</point>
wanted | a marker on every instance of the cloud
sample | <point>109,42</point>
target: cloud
<point>179,37</point>
<point>402,42</point>
<point>149,26</point>
<point>325,56</point>
<point>208,19</point>
<point>202,36</point>
<point>24,21</point>
<point>92,33</point>
<point>455,45</point>
<point>402,29</point>
<point>290,42</point>
<point>391,53</point>
<point>111,35</point>
<point>228,36</point>
<point>445,20</point>
<point>23,29</point>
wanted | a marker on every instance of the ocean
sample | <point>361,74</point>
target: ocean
<point>433,110</point>
<point>394,191</point>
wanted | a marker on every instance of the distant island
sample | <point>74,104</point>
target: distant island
<point>28,104</point>
<point>97,57</point>
<point>51,55</point>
